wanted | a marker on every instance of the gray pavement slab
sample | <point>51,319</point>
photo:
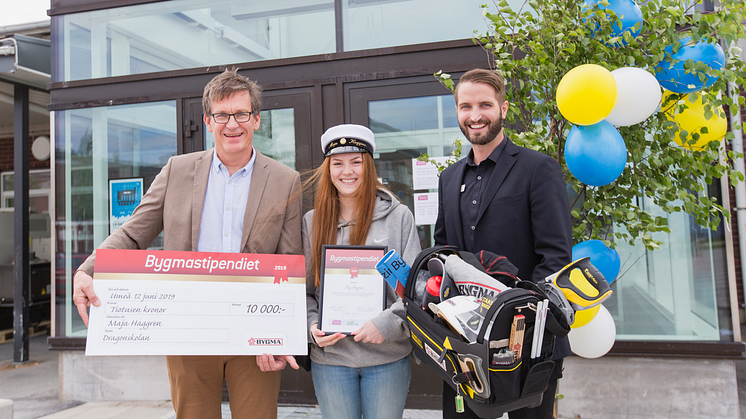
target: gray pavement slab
<point>34,389</point>
<point>33,386</point>
<point>117,410</point>
<point>164,410</point>
<point>741,377</point>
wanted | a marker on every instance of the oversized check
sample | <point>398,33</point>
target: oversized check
<point>197,303</point>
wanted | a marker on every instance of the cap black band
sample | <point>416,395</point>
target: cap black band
<point>347,142</point>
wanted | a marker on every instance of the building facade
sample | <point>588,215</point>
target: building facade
<point>126,95</point>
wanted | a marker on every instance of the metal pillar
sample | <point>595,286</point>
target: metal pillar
<point>21,318</point>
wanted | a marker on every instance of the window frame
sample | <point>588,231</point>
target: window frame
<point>5,195</point>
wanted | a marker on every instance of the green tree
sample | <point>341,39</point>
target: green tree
<point>535,46</point>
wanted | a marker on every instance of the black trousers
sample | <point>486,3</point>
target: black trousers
<point>544,411</point>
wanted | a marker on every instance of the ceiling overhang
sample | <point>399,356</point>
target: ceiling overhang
<point>25,60</point>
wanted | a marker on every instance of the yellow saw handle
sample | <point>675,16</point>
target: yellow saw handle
<point>583,285</point>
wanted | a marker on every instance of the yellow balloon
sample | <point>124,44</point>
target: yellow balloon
<point>693,119</point>
<point>583,317</point>
<point>586,94</point>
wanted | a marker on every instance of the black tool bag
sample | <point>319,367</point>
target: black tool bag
<point>489,389</point>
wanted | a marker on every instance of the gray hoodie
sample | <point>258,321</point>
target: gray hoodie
<point>392,226</point>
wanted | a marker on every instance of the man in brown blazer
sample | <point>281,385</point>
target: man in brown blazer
<point>227,199</point>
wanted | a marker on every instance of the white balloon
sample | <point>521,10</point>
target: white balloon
<point>638,96</point>
<point>596,338</point>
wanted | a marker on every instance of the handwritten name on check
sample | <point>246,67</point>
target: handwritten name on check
<point>197,303</point>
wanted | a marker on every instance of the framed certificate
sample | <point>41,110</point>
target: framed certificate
<point>352,290</point>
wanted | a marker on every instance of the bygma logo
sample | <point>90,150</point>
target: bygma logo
<point>265,341</point>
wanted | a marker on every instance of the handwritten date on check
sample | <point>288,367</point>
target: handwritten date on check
<point>165,303</point>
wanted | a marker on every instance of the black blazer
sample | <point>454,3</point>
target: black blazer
<point>524,215</point>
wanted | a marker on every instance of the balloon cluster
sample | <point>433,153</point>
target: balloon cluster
<point>630,19</point>
<point>673,74</point>
<point>680,76</point>
<point>593,333</point>
<point>692,120</point>
<point>595,99</point>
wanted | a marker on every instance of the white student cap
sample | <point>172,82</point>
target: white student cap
<point>347,138</point>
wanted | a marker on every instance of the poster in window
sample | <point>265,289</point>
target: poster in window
<point>124,197</point>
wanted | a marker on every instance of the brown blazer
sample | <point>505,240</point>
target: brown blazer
<point>173,204</point>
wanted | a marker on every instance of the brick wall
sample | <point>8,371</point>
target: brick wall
<point>6,156</point>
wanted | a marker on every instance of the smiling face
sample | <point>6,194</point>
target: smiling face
<point>233,140</point>
<point>346,171</point>
<point>480,114</point>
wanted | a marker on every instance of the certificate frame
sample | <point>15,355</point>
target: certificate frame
<point>346,303</point>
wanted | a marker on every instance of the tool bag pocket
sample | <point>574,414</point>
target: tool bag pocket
<point>427,337</point>
<point>506,381</point>
<point>509,382</point>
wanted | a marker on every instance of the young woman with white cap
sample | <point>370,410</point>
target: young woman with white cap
<point>368,372</point>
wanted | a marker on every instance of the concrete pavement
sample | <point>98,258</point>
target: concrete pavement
<point>33,387</point>
<point>163,410</point>
<point>34,390</point>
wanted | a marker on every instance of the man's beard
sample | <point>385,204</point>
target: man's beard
<point>494,128</point>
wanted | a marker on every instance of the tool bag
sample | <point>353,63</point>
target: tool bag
<point>489,388</point>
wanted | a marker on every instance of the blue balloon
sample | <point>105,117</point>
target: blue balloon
<point>672,76</point>
<point>595,154</point>
<point>629,14</point>
<point>604,259</point>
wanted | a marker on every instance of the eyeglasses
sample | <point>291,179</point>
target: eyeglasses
<point>223,118</point>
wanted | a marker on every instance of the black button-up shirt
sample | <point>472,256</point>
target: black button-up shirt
<point>473,187</point>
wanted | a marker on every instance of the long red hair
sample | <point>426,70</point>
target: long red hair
<point>326,209</point>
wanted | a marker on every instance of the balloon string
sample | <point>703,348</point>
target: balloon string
<point>630,267</point>
<point>582,192</point>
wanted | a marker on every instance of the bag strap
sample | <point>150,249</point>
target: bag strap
<point>553,325</point>
<point>464,377</point>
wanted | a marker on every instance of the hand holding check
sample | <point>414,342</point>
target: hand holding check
<point>83,294</point>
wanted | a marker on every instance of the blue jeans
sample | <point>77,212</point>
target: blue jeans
<point>378,392</point>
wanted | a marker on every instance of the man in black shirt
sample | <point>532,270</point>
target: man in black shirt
<point>506,199</point>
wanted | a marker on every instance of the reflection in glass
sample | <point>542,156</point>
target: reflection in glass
<point>179,34</point>
<point>39,187</point>
<point>275,137</point>
<point>37,179</point>
<point>677,292</point>
<point>383,23</point>
<point>131,141</point>
<point>36,204</point>
<point>405,129</point>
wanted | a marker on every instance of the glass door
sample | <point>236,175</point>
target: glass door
<point>408,121</point>
<point>99,149</point>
